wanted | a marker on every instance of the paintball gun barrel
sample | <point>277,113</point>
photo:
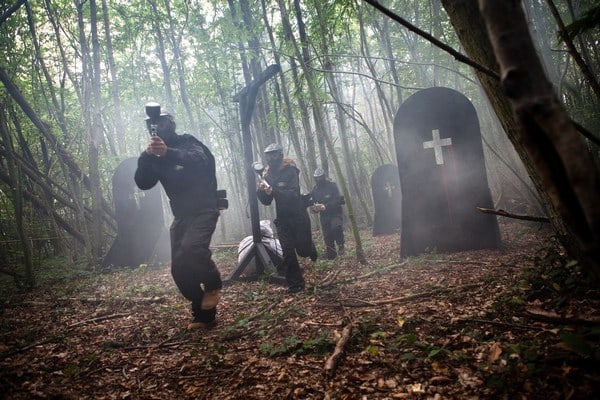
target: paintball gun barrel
<point>153,113</point>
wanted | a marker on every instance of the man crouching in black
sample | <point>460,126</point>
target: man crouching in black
<point>186,169</point>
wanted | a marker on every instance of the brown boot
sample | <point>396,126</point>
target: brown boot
<point>211,299</point>
<point>195,324</point>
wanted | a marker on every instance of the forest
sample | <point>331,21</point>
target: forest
<point>76,76</point>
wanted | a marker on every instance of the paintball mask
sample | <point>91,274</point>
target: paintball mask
<point>274,155</point>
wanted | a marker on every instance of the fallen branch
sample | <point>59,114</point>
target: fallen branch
<point>375,303</point>
<point>356,278</point>
<point>552,317</point>
<point>505,324</point>
<point>97,319</point>
<point>460,262</point>
<point>503,213</point>
<point>331,362</point>
<point>120,300</point>
<point>331,277</point>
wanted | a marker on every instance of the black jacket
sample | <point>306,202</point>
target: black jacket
<point>327,193</point>
<point>286,190</point>
<point>187,173</point>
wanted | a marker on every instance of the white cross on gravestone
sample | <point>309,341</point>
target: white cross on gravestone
<point>436,144</point>
<point>389,188</point>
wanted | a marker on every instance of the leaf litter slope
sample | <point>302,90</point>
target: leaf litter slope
<point>439,326</point>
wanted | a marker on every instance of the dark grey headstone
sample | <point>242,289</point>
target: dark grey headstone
<point>387,199</point>
<point>442,174</point>
<point>142,237</point>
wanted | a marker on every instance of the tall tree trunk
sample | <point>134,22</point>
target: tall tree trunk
<point>319,122</point>
<point>54,108</point>
<point>284,90</point>
<point>340,115</point>
<point>95,141</point>
<point>114,84</point>
<point>299,87</point>
<point>470,28</point>
<point>161,53</point>
<point>563,164</point>
<point>63,57</point>
<point>386,108</point>
<point>179,59</point>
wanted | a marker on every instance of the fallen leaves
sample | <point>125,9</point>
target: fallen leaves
<point>422,328</point>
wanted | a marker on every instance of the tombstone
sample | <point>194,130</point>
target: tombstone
<point>442,175</point>
<point>142,237</point>
<point>387,199</point>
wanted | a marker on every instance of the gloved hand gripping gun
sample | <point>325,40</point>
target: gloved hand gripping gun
<point>259,168</point>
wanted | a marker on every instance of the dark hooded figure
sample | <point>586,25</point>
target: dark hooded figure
<point>186,169</point>
<point>281,182</point>
<point>327,201</point>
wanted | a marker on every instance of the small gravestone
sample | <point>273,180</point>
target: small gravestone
<point>387,199</point>
<point>442,175</point>
<point>142,237</point>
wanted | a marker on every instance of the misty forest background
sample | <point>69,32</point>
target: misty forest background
<point>76,75</point>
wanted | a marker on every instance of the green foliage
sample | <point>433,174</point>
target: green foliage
<point>586,22</point>
<point>293,345</point>
<point>555,278</point>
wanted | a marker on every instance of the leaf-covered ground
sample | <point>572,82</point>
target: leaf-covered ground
<point>470,325</point>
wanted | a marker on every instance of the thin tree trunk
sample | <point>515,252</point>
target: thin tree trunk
<point>16,195</point>
<point>95,141</point>
<point>340,116</point>
<point>161,53</point>
<point>312,90</point>
<point>585,69</point>
<point>49,83</point>
<point>287,104</point>
<point>114,84</point>
<point>179,59</point>
<point>304,107</point>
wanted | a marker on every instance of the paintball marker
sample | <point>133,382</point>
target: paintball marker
<point>153,113</point>
<point>222,202</point>
<point>259,168</point>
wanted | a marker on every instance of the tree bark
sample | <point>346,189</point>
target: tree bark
<point>564,166</point>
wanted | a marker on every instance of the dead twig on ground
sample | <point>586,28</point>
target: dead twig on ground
<point>331,362</point>
<point>364,276</point>
<point>500,323</point>
<point>552,317</point>
<point>375,303</point>
<point>97,319</point>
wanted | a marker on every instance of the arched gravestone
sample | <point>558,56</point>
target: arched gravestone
<point>142,237</point>
<point>387,199</point>
<point>442,175</point>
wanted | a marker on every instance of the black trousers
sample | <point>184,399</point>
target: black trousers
<point>192,266</point>
<point>333,232</point>
<point>294,235</point>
